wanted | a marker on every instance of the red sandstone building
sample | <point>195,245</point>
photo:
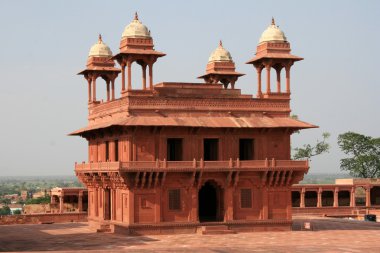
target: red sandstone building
<point>177,157</point>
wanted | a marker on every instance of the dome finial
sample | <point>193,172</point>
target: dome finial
<point>220,43</point>
<point>136,16</point>
<point>273,23</point>
<point>100,39</point>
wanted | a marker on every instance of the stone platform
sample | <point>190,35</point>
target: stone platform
<point>328,235</point>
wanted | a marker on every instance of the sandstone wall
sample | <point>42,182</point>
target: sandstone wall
<point>42,218</point>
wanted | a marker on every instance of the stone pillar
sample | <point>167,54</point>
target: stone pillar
<point>336,201</point>
<point>123,77</point>
<point>93,88</point>
<point>265,204</point>
<point>113,204</point>
<point>352,199</point>
<point>108,89</point>
<point>194,205</point>
<point>129,63</point>
<point>113,89</point>
<point>89,89</point>
<point>143,66</point>
<point>287,69</point>
<point>259,92</point>
<point>229,204</point>
<point>302,198</point>
<point>157,206</point>
<point>111,150</point>
<point>289,207</point>
<point>368,196</point>
<point>80,201</point>
<point>96,203</point>
<point>268,67</point>
<point>151,76</point>
<point>233,84</point>
<point>278,72</point>
<point>131,209</point>
<point>319,200</point>
<point>61,204</point>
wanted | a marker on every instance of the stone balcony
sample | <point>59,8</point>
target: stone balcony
<point>197,165</point>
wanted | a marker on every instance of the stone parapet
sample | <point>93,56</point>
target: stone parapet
<point>43,218</point>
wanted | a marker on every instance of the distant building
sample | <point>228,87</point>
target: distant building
<point>24,195</point>
<point>176,157</point>
<point>348,194</point>
<point>68,199</point>
<point>11,196</point>
<point>40,194</point>
<point>14,207</point>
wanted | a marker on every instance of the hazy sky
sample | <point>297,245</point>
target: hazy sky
<point>45,43</point>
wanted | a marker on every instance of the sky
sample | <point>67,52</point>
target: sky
<point>44,44</point>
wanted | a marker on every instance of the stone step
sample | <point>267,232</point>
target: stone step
<point>103,230</point>
<point>214,227</point>
<point>216,230</point>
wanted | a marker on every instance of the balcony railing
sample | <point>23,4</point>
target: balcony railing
<point>163,165</point>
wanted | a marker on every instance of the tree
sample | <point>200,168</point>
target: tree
<point>307,151</point>
<point>5,201</point>
<point>5,210</point>
<point>39,200</point>
<point>17,211</point>
<point>363,152</point>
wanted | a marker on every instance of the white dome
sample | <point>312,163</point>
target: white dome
<point>272,33</point>
<point>136,29</point>
<point>220,54</point>
<point>100,49</point>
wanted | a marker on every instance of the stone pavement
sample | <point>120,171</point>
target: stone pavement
<point>328,235</point>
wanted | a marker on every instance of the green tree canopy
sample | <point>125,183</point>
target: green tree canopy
<point>307,151</point>
<point>363,152</point>
<point>40,200</point>
<point>5,210</point>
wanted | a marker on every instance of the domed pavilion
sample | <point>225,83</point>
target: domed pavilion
<point>176,157</point>
<point>221,68</point>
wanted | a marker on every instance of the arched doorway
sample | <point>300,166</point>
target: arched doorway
<point>210,202</point>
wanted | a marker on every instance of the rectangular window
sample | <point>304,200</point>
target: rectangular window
<point>246,198</point>
<point>175,199</point>
<point>107,151</point>
<point>210,149</point>
<point>174,149</point>
<point>116,150</point>
<point>246,149</point>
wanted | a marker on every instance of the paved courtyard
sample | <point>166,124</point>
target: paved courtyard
<point>328,235</point>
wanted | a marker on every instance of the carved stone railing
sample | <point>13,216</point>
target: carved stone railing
<point>163,165</point>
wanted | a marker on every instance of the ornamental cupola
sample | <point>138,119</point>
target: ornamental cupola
<point>100,55</point>
<point>136,45</point>
<point>136,29</point>
<point>221,68</point>
<point>100,64</point>
<point>273,52</point>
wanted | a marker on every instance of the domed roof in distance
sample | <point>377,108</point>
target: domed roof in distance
<point>272,33</point>
<point>220,54</point>
<point>100,49</point>
<point>136,29</point>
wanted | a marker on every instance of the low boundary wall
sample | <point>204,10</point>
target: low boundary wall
<point>43,218</point>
